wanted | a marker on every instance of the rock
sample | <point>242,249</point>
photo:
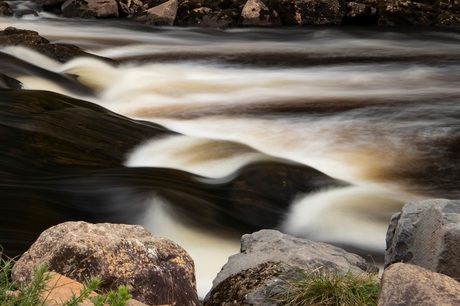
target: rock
<point>267,254</point>
<point>405,284</point>
<point>61,288</point>
<point>360,14</point>
<point>5,10</point>
<point>89,9</point>
<point>393,12</point>
<point>130,7</point>
<point>52,6</point>
<point>161,15</point>
<point>155,269</point>
<point>309,12</point>
<point>11,36</point>
<point>427,234</point>
<point>207,18</point>
<point>256,13</point>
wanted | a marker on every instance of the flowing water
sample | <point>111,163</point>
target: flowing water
<point>376,108</point>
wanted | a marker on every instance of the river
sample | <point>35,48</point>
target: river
<point>375,108</point>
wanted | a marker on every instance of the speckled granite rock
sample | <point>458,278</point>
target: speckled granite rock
<point>156,270</point>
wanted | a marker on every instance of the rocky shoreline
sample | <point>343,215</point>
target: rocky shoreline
<point>226,14</point>
<point>421,263</point>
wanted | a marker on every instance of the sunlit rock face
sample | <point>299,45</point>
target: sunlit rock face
<point>156,270</point>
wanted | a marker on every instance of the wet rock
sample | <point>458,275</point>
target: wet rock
<point>5,10</point>
<point>207,18</point>
<point>256,13</point>
<point>407,285</point>
<point>394,12</point>
<point>427,234</point>
<point>360,14</point>
<point>161,15</point>
<point>266,255</point>
<point>156,270</point>
<point>309,12</point>
<point>90,9</point>
<point>11,36</point>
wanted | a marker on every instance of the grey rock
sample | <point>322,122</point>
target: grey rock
<point>90,8</point>
<point>427,234</point>
<point>160,15</point>
<point>156,270</point>
<point>408,285</point>
<point>248,277</point>
<point>256,13</point>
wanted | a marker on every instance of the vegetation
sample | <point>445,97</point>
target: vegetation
<point>34,292</point>
<point>324,288</point>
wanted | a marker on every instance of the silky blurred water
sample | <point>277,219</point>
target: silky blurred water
<point>376,108</point>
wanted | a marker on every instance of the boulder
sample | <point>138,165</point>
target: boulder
<point>155,269</point>
<point>309,12</point>
<point>89,9</point>
<point>427,234</point>
<point>256,13</point>
<point>266,255</point>
<point>407,285</point>
<point>160,15</point>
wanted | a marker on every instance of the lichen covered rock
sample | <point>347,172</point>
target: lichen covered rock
<point>156,270</point>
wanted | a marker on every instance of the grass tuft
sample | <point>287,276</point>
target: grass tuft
<point>321,287</point>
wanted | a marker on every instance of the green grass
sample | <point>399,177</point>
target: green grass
<point>32,293</point>
<point>324,288</point>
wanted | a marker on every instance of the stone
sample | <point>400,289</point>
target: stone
<point>265,256</point>
<point>256,13</point>
<point>5,10</point>
<point>427,234</point>
<point>360,14</point>
<point>155,269</point>
<point>160,15</point>
<point>90,9</point>
<point>12,36</point>
<point>309,12</point>
<point>407,285</point>
<point>393,12</point>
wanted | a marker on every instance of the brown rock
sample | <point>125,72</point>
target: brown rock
<point>309,12</point>
<point>405,284</point>
<point>161,15</point>
<point>90,8</point>
<point>155,269</point>
<point>256,13</point>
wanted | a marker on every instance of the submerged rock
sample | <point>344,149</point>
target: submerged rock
<point>156,270</point>
<point>266,255</point>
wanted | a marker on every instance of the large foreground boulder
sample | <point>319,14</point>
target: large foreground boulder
<point>407,285</point>
<point>266,256</point>
<point>427,234</point>
<point>156,270</point>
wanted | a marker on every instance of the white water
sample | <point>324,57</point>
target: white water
<point>224,110</point>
